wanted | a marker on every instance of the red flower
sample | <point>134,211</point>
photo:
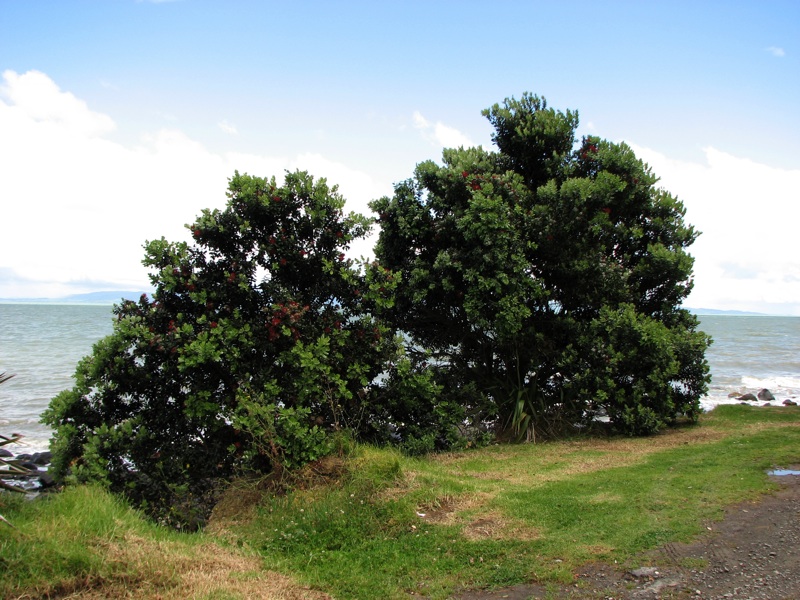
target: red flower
<point>213,324</point>
<point>276,321</point>
<point>464,174</point>
<point>283,261</point>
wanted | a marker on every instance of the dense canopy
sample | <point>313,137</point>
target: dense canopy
<point>535,288</point>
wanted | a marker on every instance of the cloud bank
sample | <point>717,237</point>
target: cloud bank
<point>78,207</point>
<point>746,257</point>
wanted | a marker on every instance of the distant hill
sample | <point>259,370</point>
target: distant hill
<point>713,311</point>
<point>90,298</point>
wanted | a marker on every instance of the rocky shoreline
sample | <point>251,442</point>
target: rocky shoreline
<point>24,472</point>
<point>764,395</point>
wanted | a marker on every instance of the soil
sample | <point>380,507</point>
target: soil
<point>752,554</point>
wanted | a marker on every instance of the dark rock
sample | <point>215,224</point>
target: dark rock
<point>42,458</point>
<point>24,457</point>
<point>766,395</point>
<point>789,403</point>
<point>47,480</point>
<point>5,453</point>
<point>766,404</point>
<point>31,466</point>
<point>748,398</point>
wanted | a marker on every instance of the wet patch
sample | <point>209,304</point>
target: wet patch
<point>782,472</point>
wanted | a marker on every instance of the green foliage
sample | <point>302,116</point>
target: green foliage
<point>549,275</point>
<point>260,340</point>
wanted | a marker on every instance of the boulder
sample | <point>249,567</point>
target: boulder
<point>747,398</point>
<point>46,480</point>
<point>788,402</point>
<point>5,453</point>
<point>42,458</point>
<point>766,395</point>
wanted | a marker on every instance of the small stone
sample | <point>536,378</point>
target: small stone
<point>643,572</point>
<point>788,402</point>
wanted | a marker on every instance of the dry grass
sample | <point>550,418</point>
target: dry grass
<point>160,570</point>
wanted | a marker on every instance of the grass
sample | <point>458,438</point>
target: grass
<point>390,526</point>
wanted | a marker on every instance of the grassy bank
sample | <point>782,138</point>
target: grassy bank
<point>387,525</point>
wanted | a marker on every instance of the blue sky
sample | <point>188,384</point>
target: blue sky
<point>120,120</point>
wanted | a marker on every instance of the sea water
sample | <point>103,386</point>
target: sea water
<point>41,345</point>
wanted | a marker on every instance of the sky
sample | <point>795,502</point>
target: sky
<point>120,120</point>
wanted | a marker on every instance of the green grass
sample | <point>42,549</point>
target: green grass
<point>494,517</point>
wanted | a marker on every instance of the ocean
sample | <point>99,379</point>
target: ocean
<point>42,343</point>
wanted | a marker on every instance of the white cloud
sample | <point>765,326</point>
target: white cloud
<point>746,257</point>
<point>440,134</point>
<point>37,97</point>
<point>78,207</point>
<point>776,51</point>
<point>227,127</point>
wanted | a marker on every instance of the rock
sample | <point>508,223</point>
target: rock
<point>734,394</point>
<point>42,458</point>
<point>747,398</point>
<point>788,402</point>
<point>766,404</point>
<point>5,453</point>
<point>47,480</point>
<point>644,572</point>
<point>766,395</point>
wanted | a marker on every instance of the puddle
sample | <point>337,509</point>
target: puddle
<point>783,472</point>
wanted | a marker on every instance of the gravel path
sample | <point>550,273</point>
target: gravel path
<point>752,554</point>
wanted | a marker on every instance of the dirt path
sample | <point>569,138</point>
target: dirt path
<point>753,554</point>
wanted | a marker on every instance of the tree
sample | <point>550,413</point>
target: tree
<point>548,276</point>
<point>258,342</point>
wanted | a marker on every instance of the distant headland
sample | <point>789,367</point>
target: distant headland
<point>90,298</point>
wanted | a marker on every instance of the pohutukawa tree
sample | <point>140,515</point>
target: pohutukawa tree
<point>548,277</point>
<point>258,342</point>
